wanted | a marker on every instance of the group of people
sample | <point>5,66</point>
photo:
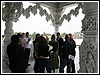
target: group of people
<point>47,53</point>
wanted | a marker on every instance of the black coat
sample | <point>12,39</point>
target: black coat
<point>16,55</point>
<point>43,51</point>
<point>69,48</point>
<point>73,46</point>
<point>61,46</point>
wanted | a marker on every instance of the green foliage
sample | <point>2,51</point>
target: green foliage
<point>33,35</point>
<point>63,34</point>
<point>44,34</point>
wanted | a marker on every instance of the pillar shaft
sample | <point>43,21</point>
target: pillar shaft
<point>8,17</point>
<point>8,33</point>
<point>88,51</point>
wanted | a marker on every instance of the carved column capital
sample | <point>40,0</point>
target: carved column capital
<point>11,11</point>
<point>56,15</point>
<point>90,8</point>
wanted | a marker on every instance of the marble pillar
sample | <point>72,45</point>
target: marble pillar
<point>8,33</point>
<point>8,16</point>
<point>88,51</point>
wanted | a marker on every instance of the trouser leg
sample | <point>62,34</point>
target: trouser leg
<point>69,66</point>
<point>73,67</point>
<point>27,54</point>
<point>48,66</point>
<point>63,63</point>
<point>36,66</point>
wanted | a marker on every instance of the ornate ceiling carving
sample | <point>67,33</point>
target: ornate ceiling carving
<point>15,9</point>
<point>55,4</point>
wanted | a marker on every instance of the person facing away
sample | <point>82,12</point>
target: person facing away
<point>73,43</point>
<point>16,55</point>
<point>54,53</point>
<point>19,35</point>
<point>35,54</point>
<point>43,52</point>
<point>72,52</point>
<point>61,43</point>
<point>67,49</point>
<point>60,52</point>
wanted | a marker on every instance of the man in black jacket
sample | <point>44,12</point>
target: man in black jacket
<point>16,55</point>
<point>60,52</point>
<point>72,52</point>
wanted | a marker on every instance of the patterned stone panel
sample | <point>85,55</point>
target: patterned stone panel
<point>89,54</point>
<point>89,23</point>
<point>89,47</point>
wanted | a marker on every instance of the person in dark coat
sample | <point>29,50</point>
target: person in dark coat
<point>60,52</point>
<point>54,53</point>
<point>16,55</point>
<point>67,51</point>
<point>35,54</point>
<point>72,52</point>
<point>44,55</point>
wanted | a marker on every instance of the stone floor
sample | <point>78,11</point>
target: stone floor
<point>29,70</point>
<point>5,69</point>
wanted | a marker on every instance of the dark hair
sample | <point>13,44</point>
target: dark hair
<point>37,35</point>
<point>15,39</point>
<point>70,34</point>
<point>19,34</point>
<point>66,37</point>
<point>27,33</point>
<point>53,36</point>
<point>42,41</point>
<point>58,33</point>
<point>23,33</point>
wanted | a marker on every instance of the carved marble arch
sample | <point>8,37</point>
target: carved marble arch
<point>16,9</point>
<point>73,12</point>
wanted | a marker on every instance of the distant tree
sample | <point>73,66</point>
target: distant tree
<point>33,35</point>
<point>63,34</point>
<point>44,34</point>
